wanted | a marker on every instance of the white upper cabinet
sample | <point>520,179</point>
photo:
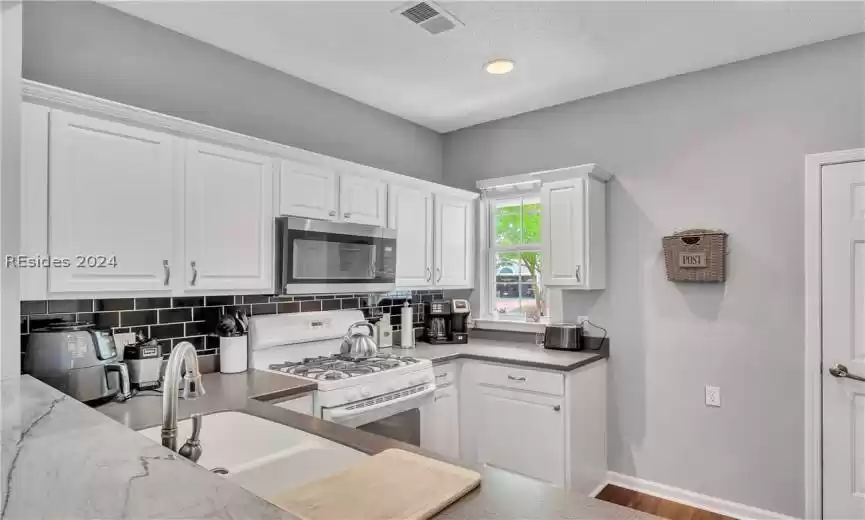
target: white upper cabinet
<point>410,212</point>
<point>229,219</point>
<point>34,198</point>
<point>454,242</point>
<point>362,200</point>
<point>110,200</point>
<point>574,233</point>
<point>308,191</point>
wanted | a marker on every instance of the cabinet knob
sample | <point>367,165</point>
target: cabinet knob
<point>332,213</point>
<point>194,272</point>
<point>167,270</point>
<point>346,215</point>
<point>578,274</point>
<point>556,408</point>
<point>514,378</point>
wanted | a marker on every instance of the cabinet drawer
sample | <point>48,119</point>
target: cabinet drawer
<point>521,379</point>
<point>445,374</point>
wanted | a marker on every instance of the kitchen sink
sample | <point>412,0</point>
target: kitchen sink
<point>263,456</point>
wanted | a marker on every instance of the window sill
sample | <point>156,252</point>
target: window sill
<point>509,326</point>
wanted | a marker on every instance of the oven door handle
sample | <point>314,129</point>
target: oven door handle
<point>344,415</point>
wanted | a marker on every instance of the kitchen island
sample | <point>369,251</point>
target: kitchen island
<point>63,459</point>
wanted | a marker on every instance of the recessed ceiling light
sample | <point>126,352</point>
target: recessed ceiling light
<point>499,66</point>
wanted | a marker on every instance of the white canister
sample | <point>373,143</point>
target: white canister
<point>232,354</point>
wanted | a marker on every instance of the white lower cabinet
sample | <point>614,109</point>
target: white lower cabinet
<point>301,404</point>
<point>229,219</point>
<point>521,432</point>
<point>543,424</point>
<point>440,429</point>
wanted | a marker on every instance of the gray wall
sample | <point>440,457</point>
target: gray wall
<point>722,148</point>
<point>94,49</point>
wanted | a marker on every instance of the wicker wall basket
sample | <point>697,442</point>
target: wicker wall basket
<point>696,255</point>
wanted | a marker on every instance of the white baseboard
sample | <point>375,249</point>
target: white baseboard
<point>690,498</point>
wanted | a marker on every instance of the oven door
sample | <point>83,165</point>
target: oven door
<point>395,415</point>
<point>318,256</point>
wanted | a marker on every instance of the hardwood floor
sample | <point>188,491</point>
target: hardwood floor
<point>654,505</point>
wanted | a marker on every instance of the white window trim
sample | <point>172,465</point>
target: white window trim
<point>487,319</point>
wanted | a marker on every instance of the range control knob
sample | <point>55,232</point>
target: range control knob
<point>365,391</point>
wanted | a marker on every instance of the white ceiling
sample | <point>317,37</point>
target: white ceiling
<point>563,50</point>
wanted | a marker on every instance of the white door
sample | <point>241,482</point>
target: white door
<point>563,232</point>
<point>843,230</point>
<point>110,205</point>
<point>229,218</point>
<point>307,191</point>
<point>439,421</point>
<point>521,432</point>
<point>362,200</point>
<point>410,212</point>
<point>454,242</point>
<point>34,198</point>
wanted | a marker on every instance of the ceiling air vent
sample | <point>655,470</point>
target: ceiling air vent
<point>431,17</point>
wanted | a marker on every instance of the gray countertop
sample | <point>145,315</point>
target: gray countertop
<point>512,353</point>
<point>63,459</point>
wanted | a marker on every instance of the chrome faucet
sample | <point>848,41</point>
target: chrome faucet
<point>183,353</point>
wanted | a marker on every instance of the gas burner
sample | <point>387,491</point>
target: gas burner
<point>339,367</point>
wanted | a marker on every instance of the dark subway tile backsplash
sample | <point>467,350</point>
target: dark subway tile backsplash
<point>129,318</point>
<point>117,304</point>
<point>58,306</point>
<point>152,303</point>
<point>194,318</point>
<point>175,315</point>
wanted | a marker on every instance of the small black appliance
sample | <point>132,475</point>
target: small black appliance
<point>446,321</point>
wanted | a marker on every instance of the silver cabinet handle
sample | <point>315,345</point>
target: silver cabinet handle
<point>346,215</point>
<point>439,376</point>
<point>167,270</point>
<point>839,370</point>
<point>428,274</point>
<point>194,272</point>
<point>332,213</point>
<point>439,271</point>
<point>514,378</point>
<point>578,274</point>
<point>556,408</point>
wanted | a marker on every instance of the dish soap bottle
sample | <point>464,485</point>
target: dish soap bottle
<point>384,331</point>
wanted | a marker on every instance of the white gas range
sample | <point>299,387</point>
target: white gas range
<point>380,394</point>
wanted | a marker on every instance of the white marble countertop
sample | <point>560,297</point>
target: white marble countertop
<point>61,459</point>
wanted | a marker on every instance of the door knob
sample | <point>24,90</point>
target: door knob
<point>840,371</point>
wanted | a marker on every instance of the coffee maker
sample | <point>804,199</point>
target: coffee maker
<point>446,321</point>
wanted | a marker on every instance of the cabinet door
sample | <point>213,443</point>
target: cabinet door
<point>564,232</point>
<point>521,432</point>
<point>410,212</point>
<point>362,200</point>
<point>454,242</point>
<point>34,198</point>
<point>229,218</point>
<point>440,430</point>
<point>110,189</point>
<point>307,191</point>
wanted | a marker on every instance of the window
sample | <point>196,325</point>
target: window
<point>515,262</point>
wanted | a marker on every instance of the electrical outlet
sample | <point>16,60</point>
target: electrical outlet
<point>582,319</point>
<point>713,396</point>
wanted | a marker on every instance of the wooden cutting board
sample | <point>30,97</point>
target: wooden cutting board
<point>392,485</point>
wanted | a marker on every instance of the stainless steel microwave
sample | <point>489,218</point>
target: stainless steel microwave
<point>315,256</point>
